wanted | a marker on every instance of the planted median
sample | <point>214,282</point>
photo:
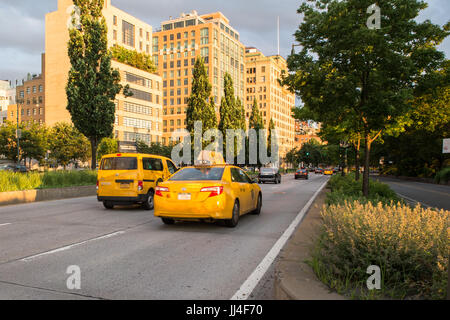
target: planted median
<point>408,245</point>
<point>10,181</point>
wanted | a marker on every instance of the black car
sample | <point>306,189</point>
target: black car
<point>302,174</point>
<point>269,175</point>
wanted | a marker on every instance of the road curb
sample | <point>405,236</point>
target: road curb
<point>294,279</point>
<point>29,196</point>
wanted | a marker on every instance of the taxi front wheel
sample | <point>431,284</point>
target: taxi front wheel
<point>231,223</point>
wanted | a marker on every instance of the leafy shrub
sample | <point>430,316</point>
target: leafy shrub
<point>348,189</point>
<point>410,245</point>
<point>10,181</point>
<point>133,58</point>
<point>443,176</point>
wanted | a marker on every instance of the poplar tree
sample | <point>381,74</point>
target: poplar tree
<point>231,114</point>
<point>92,85</point>
<point>199,108</point>
<point>256,122</point>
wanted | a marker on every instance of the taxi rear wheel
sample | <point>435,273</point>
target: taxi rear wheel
<point>108,205</point>
<point>149,204</point>
<point>168,221</point>
<point>258,205</point>
<point>231,223</point>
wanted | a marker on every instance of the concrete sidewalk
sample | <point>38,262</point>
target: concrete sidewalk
<point>294,279</point>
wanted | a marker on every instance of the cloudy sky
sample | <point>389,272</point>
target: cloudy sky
<point>22,24</point>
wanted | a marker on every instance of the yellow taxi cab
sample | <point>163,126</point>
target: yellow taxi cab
<point>130,178</point>
<point>328,171</point>
<point>208,192</point>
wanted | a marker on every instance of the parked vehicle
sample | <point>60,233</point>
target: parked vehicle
<point>302,174</point>
<point>269,175</point>
<point>208,193</point>
<point>128,178</point>
<point>318,171</point>
<point>328,172</point>
<point>14,168</point>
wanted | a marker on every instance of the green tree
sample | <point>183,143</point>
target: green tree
<point>199,108</point>
<point>155,148</point>
<point>92,85</point>
<point>231,116</point>
<point>348,73</point>
<point>256,122</point>
<point>68,145</point>
<point>8,140</point>
<point>107,146</point>
<point>269,137</point>
<point>34,143</point>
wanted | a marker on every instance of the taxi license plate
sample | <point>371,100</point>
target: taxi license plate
<point>184,196</point>
<point>124,186</point>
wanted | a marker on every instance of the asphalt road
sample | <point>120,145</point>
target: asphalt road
<point>127,253</point>
<point>429,195</point>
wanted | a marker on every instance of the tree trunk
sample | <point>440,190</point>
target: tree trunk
<point>366,167</point>
<point>94,154</point>
<point>357,163</point>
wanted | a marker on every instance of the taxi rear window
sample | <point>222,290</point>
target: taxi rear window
<point>198,174</point>
<point>125,163</point>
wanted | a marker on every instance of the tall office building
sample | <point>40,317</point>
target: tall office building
<point>274,101</point>
<point>137,117</point>
<point>175,48</point>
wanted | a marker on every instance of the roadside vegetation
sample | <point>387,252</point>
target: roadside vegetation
<point>410,245</point>
<point>10,181</point>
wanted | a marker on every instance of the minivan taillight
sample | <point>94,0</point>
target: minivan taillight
<point>160,190</point>
<point>140,185</point>
<point>97,185</point>
<point>215,191</point>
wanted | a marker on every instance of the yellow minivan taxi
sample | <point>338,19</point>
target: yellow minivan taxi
<point>130,178</point>
<point>208,193</point>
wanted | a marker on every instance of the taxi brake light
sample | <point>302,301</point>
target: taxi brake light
<point>215,191</point>
<point>140,185</point>
<point>160,190</point>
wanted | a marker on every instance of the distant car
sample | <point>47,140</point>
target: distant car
<point>318,171</point>
<point>13,168</point>
<point>328,172</point>
<point>335,169</point>
<point>269,175</point>
<point>301,174</point>
<point>312,169</point>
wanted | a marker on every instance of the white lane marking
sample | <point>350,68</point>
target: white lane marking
<point>414,201</point>
<point>250,284</point>
<point>71,246</point>
<point>4,224</point>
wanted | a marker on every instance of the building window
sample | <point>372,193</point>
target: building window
<point>128,33</point>
<point>141,95</point>
<point>115,20</point>
<point>204,36</point>
<point>114,34</point>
